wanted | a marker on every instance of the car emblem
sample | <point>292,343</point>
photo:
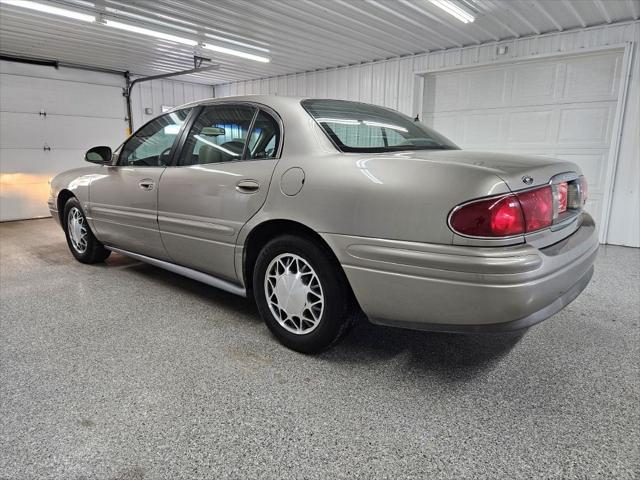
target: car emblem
<point>527,180</point>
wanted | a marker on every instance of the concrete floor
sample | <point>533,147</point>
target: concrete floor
<point>125,371</point>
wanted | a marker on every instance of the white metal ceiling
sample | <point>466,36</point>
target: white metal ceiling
<point>301,35</point>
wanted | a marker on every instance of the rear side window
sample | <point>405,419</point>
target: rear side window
<point>265,137</point>
<point>360,127</point>
<point>218,135</point>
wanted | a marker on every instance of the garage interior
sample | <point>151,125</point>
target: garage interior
<point>125,371</point>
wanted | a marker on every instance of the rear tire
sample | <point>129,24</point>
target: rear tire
<point>83,244</point>
<point>302,294</point>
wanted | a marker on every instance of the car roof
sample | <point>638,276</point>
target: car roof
<point>273,101</point>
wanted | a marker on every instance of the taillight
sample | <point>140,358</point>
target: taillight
<point>506,215</point>
<point>562,190</point>
<point>537,207</point>
<point>584,189</point>
<point>495,217</point>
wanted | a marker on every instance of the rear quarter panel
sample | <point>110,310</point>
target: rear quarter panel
<point>392,197</point>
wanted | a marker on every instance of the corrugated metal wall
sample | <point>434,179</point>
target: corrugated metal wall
<point>392,83</point>
<point>157,93</point>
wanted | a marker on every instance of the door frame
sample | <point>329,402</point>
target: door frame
<point>627,49</point>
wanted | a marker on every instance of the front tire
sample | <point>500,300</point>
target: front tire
<point>302,294</point>
<point>83,244</point>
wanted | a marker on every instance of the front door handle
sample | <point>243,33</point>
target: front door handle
<point>146,184</point>
<point>247,186</point>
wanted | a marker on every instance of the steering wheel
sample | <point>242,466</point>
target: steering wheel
<point>162,154</point>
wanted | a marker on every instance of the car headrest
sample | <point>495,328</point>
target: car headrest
<point>208,154</point>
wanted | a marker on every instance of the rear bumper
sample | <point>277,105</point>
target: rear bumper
<point>470,289</point>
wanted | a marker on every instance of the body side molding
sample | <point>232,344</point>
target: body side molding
<point>186,272</point>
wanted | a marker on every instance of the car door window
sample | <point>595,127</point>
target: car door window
<point>150,146</point>
<point>264,138</point>
<point>218,135</point>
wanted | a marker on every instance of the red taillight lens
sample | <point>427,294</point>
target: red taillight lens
<point>563,196</point>
<point>496,217</point>
<point>537,206</point>
<point>506,215</point>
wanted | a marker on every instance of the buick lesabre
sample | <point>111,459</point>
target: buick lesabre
<point>318,209</point>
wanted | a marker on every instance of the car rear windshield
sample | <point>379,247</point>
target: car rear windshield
<point>360,127</point>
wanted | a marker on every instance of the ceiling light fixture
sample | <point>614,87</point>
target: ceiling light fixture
<point>454,10</point>
<point>151,33</point>
<point>39,7</point>
<point>236,42</point>
<point>237,53</point>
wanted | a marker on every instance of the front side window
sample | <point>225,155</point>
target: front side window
<point>150,146</point>
<point>360,127</point>
<point>218,135</point>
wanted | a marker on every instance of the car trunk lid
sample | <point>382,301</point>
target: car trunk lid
<point>524,172</point>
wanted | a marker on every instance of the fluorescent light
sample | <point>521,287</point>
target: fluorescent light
<point>236,42</point>
<point>172,129</point>
<point>454,10</point>
<point>237,53</point>
<point>151,33</point>
<point>175,117</point>
<point>39,7</point>
<point>342,121</point>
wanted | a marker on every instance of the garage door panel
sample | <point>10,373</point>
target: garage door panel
<point>529,126</point>
<point>24,201</point>
<point>592,77</point>
<point>31,94</point>
<point>535,85</point>
<point>593,165</point>
<point>448,90</point>
<point>444,123</point>
<point>585,125</point>
<point>65,132</point>
<point>481,130</point>
<point>485,88</point>
<point>21,130</point>
<point>594,207</point>
<point>23,192</point>
<point>38,161</point>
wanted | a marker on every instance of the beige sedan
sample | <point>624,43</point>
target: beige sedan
<point>319,209</point>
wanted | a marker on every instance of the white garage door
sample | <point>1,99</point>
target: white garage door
<point>560,107</point>
<point>34,147</point>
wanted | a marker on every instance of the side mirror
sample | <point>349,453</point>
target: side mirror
<point>99,155</point>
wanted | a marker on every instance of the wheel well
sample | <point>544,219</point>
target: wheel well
<point>63,198</point>
<point>268,230</point>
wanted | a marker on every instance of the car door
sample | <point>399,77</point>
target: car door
<point>220,181</point>
<point>124,199</point>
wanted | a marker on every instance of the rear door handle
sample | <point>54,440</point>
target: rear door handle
<point>247,186</point>
<point>146,184</point>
